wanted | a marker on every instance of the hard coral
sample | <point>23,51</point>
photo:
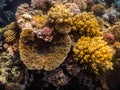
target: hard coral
<point>27,36</point>
<point>80,3</point>
<point>73,8</point>
<point>60,15</point>
<point>12,72</point>
<point>43,55</point>
<point>10,36</point>
<point>44,5</point>
<point>86,24</point>
<point>110,38</point>
<point>44,33</point>
<point>115,30</point>
<point>56,78</point>
<point>98,9</point>
<point>95,52</point>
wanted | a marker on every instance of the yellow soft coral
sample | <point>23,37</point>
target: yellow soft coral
<point>93,51</point>
<point>86,24</point>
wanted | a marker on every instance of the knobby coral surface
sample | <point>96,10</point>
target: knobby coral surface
<point>95,52</point>
<point>86,24</point>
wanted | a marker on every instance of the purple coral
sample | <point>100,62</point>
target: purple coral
<point>44,33</point>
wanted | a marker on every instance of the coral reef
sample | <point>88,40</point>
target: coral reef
<point>60,45</point>
<point>86,24</point>
<point>13,73</point>
<point>93,51</point>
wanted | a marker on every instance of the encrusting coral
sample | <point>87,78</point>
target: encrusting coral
<point>95,52</point>
<point>86,24</point>
<point>42,55</point>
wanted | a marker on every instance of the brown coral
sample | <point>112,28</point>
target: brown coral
<point>10,36</point>
<point>98,9</point>
<point>44,55</point>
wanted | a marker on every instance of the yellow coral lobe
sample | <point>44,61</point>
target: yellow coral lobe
<point>93,51</point>
<point>37,18</point>
<point>86,24</point>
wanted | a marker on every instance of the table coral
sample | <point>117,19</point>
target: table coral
<point>86,24</point>
<point>95,52</point>
<point>41,55</point>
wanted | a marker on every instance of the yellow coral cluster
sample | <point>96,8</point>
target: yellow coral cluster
<point>86,24</point>
<point>59,13</point>
<point>10,36</point>
<point>62,17</point>
<point>95,52</point>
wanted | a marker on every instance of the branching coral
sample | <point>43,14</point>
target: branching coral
<point>86,24</point>
<point>93,51</point>
<point>43,55</point>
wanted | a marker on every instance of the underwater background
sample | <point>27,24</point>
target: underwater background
<point>59,44</point>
